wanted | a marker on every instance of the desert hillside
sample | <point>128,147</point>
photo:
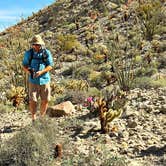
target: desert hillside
<point>110,64</point>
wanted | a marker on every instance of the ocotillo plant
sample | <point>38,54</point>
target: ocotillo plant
<point>123,66</point>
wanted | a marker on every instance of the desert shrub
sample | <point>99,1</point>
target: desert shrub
<point>158,46</point>
<point>93,91</point>
<point>82,72</point>
<point>96,80</point>
<point>56,89</point>
<point>159,83</point>
<point>161,61</point>
<point>68,42</point>
<point>110,26</point>
<point>151,17</point>
<point>90,36</point>
<point>98,58</point>
<point>71,26</point>
<point>75,84</point>
<point>7,107</point>
<point>138,59</point>
<point>121,59</point>
<point>68,71</point>
<point>104,67</point>
<point>69,58</point>
<point>149,82</point>
<point>97,155</point>
<point>33,145</point>
<point>145,71</point>
<point>142,82</point>
<point>3,53</point>
<point>74,96</point>
<point>71,69</point>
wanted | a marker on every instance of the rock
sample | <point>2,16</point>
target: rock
<point>62,109</point>
<point>7,129</point>
<point>130,112</point>
<point>162,109</point>
<point>131,124</point>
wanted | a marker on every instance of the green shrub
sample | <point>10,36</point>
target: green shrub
<point>7,107</point>
<point>69,58</point>
<point>33,145</point>
<point>93,91</point>
<point>142,82</point>
<point>162,61</point>
<point>96,80</point>
<point>82,72</point>
<point>104,67</point>
<point>148,82</point>
<point>159,83</point>
<point>76,97</point>
<point>150,15</point>
<point>68,42</point>
<point>68,71</point>
<point>145,71</point>
<point>98,58</point>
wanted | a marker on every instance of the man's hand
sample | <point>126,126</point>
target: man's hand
<point>38,73</point>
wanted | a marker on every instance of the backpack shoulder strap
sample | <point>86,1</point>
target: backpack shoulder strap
<point>44,55</point>
<point>31,56</point>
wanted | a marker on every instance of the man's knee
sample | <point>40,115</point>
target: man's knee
<point>44,101</point>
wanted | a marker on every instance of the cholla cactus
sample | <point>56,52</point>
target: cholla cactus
<point>16,95</point>
<point>101,106</point>
<point>77,85</point>
<point>109,117</point>
<point>56,89</point>
<point>107,114</point>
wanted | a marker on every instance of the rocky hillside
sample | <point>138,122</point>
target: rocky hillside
<point>97,46</point>
<point>137,138</point>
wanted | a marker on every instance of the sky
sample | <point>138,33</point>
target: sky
<point>11,11</point>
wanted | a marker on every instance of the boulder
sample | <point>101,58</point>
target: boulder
<point>62,109</point>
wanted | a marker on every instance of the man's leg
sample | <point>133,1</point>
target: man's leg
<point>43,107</point>
<point>45,97</point>
<point>33,95</point>
<point>33,107</point>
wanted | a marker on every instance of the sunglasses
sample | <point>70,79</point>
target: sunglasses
<point>38,45</point>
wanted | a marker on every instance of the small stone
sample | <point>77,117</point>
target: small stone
<point>162,109</point>
<point>131,124</point>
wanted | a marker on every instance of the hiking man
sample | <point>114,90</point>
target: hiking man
<point>37,62</point>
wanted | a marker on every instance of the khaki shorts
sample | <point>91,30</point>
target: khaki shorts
<point>35,90</point>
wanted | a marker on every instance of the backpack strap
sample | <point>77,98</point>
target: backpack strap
<point>44,56</point>
<point>31,56</point>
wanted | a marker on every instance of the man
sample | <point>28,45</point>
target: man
<point>37,62</point>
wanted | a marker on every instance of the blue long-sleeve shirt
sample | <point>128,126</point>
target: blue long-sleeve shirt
<point>37,64</point>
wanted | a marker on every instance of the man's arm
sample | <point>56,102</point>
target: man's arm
<point>25,68</point>
<point>47,69</point>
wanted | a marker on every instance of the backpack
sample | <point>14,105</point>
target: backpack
<point>44,56</point>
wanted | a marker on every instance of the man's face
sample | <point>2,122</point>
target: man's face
<point>36,47</point>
